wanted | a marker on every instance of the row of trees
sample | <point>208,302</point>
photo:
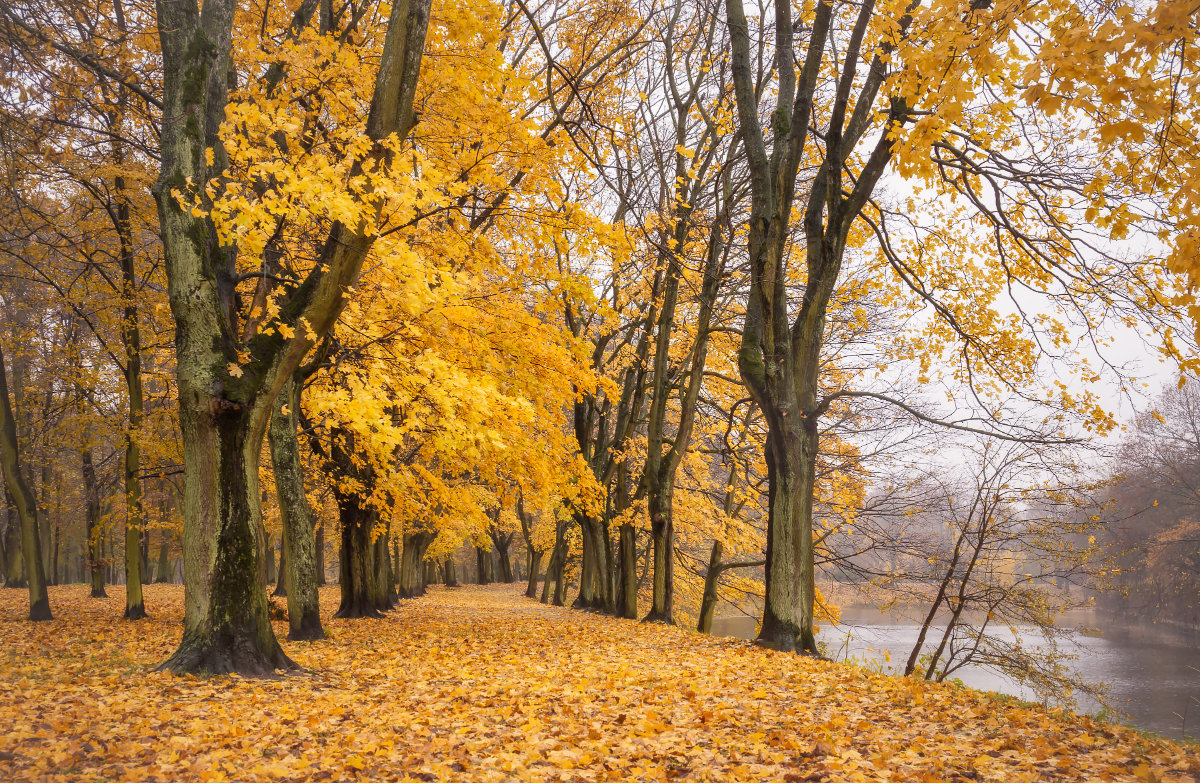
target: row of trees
<point>657,278</point>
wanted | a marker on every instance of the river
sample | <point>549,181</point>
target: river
<point>1152,673</point>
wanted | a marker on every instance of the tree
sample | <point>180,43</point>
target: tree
<point>935,91</point>
<point>25,504</point>
<point>227,387</point>
<point>1152,513</point>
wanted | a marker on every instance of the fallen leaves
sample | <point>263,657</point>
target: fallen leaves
<point>482,684</point>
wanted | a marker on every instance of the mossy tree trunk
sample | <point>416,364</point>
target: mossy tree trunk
<point>298,558</point>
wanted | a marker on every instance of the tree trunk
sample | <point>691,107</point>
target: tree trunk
<point>556,566</point>
<point>25,503</point>
<point>448,572</point>
<point>483,566</point>
<point>280,590</point>
<point>662,531</point>
<point>357,569</point>
<point>135,606</point>
<point>57,537</point>
<point>95,542</point>
<point>385,584</point>
<point>506,569</point>
<point>226,626</point>
<point>319,544</point>
<point>163,571</point>
<point>412,564</point>
<point>535,562</point>
<point>14,571</point>
<point>502,542</point>
<point>708,604</point>
<point>595,580</point>
<point>269,573</point>
<point>787,622</point>
<point>628,582</point>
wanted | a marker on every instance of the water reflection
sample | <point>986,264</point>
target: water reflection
<point>1152,673</point>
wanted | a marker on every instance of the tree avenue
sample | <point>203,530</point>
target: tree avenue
<point>653,302</point>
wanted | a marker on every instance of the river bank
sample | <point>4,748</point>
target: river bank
<point>1151,670</point>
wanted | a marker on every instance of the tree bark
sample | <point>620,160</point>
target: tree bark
<point>448,574</point>
<point>26,505</point>
<point>298,557</point>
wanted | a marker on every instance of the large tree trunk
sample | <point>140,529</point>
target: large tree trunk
<point>386,578</point>
<point>298,559</point>
<point>484,572</point>
<point>412,559</point>
<point>662,532</point>
<point>787,622</point>
<point>95,543</point>
<point>361,593</point>
<point>226,626</point>
<point>26,505</point>
<point>595,579</point>
<point>448,575</point>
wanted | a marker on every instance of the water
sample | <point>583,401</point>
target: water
<point>1152,673</point>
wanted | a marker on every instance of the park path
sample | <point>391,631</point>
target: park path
<point>479,683</point>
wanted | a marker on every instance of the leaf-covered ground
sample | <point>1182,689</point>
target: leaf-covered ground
<point>481,684</point>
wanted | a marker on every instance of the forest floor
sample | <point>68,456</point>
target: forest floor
<point>482,684</point>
